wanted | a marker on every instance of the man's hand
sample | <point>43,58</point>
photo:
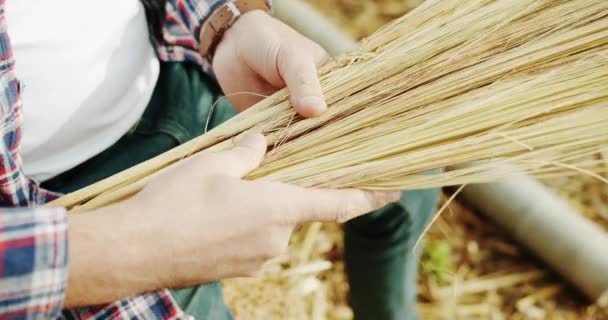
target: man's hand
<point>198,223</point>
<point>261,55</point>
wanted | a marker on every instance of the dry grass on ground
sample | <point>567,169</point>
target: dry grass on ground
<point>470,270</point>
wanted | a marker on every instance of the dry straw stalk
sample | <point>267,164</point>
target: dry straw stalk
<point>523,82</point>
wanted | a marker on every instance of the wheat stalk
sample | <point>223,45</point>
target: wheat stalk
<point>523,82</point>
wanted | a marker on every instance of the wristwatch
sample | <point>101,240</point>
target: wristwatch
<point>223,18</point>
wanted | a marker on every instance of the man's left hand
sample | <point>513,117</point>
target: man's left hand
<point>260,55</point>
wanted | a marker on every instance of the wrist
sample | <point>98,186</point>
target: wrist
<point>144,236</point>
<point>107,259</point>
<point>222,19</point>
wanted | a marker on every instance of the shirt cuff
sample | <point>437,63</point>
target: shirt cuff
<point>158,305</point>
<point>33,262</point>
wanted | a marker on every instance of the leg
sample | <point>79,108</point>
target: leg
<point>203,302</point>
<point>176,113</point>
<point>381,263</point>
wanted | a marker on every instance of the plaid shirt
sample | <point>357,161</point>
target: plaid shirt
<point>33,240</point>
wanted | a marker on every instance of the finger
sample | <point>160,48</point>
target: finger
<point>249,92</point>
<point>259,52</point>
<point>245,156</point>
<point>321,57</point>
<point>299,70</point>
<point>308,205</point>
<point>344,205</point>
<point>250,88</point>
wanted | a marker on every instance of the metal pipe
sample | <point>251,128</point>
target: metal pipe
<point>308,21</point>
<point>554,231</point>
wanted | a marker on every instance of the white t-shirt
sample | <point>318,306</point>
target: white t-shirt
<point>88,71</point>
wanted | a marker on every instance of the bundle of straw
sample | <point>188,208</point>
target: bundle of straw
<point>523,82</point>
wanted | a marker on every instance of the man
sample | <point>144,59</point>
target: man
<point>95,96</point>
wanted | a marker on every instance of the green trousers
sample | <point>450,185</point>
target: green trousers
<point>381,264</point>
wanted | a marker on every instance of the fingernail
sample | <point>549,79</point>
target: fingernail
<point>314,103</point>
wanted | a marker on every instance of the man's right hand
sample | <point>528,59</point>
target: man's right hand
<point>198,223</point>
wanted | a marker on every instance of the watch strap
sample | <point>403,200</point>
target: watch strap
<point>223,18</point>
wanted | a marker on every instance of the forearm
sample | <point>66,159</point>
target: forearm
<point>111,257</point>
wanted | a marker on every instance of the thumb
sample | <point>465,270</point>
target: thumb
<point>245,156</point>
<point>299,71</point>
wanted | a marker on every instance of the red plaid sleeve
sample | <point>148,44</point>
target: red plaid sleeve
<point>154,306</point>
<point>33,248</point>
<point>15,189</point>
<point>184,19</point>
<point>33,263</point>
<point>33,244</point>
